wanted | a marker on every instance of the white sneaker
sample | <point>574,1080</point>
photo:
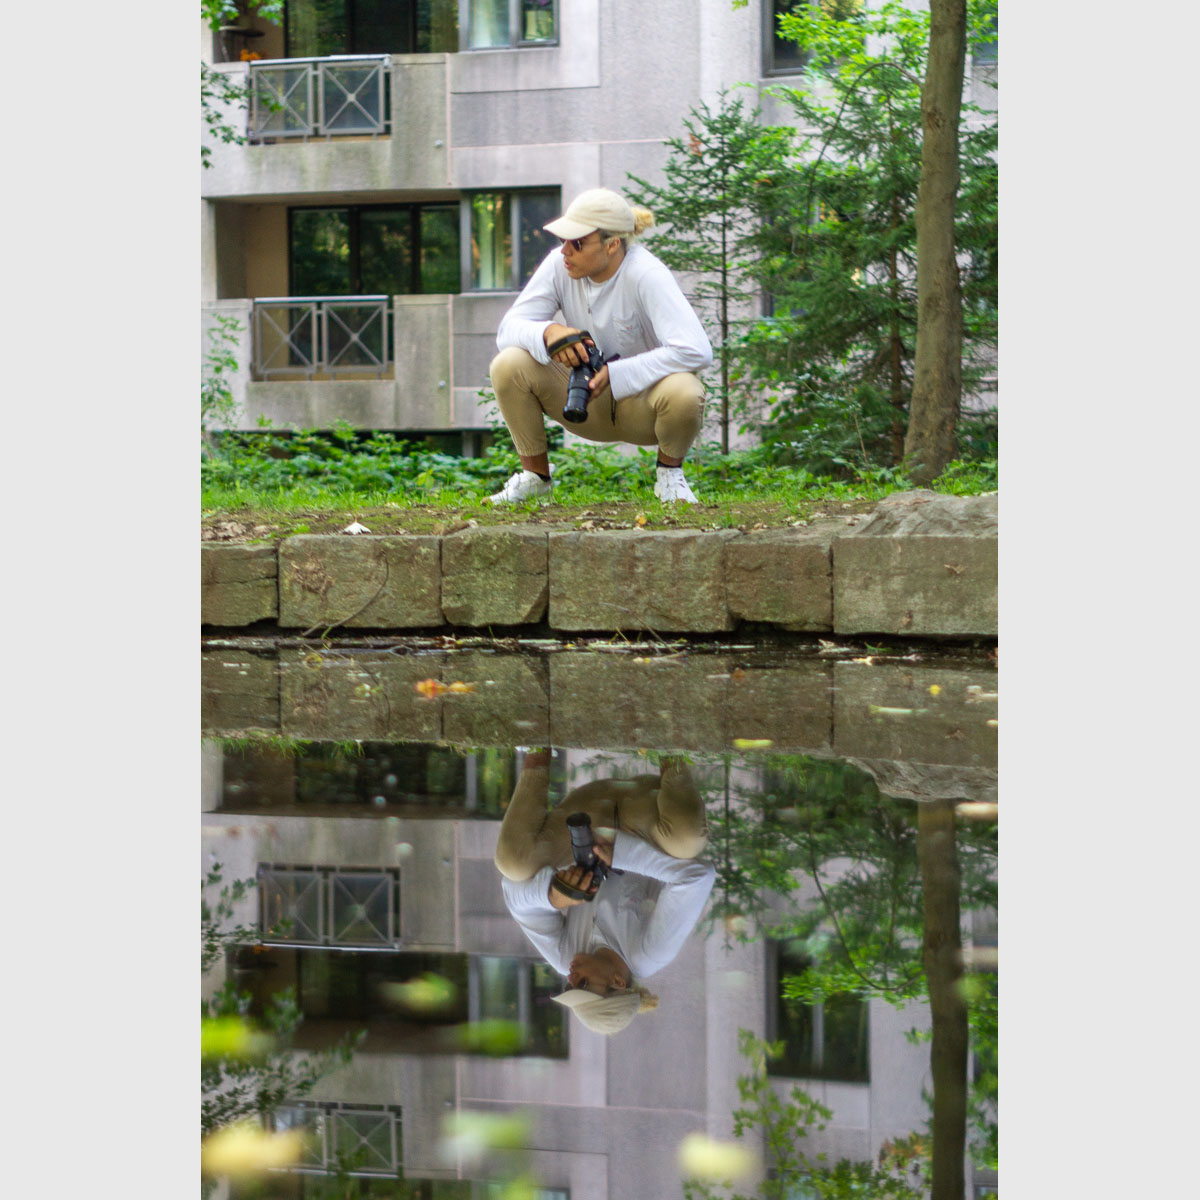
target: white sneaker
<point>671,486</point>
<point>522,486</point>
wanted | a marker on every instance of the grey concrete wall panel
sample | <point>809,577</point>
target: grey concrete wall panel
<point>510,703</point>
<point>359,582</point>
<point>320,404</point>
<point>423,379</point>
<point>670,581</point>
<point>237,584</point>
<point>331,696</point>
<point>239,692</point>
<point>475,319</point>
<point>784,576</point>
<point>495,575</point>
<point>573,63</point>
<point>915,713</point>
<point>920,565</point>
<point>517,163</point>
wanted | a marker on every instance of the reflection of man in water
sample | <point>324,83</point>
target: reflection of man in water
<point>650,828</point>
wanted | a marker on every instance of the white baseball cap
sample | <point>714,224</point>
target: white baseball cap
<point>598,208</point>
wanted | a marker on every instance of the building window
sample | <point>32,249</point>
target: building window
<point>380,250</point>
<point>516,989</point>
<point>984,52</point>
<point>784,57</point>
<point>504,238</point>
<point>328,906</point>
<point>320,28</point>
<point>827,1040</point>
<point>500,24</point>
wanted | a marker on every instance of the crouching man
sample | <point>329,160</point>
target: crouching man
<point>651,342</point>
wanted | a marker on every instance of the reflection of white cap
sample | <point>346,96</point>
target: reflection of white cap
<point>606,1014</point>
<point>598,208</point>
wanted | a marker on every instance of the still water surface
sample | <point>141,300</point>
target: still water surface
<point>791,829</point>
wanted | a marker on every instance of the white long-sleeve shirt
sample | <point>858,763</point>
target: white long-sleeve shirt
<point>640,314</point>
<point>644,915</point>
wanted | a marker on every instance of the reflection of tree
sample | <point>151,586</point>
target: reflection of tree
<point>248,1071</point>
<point>891,879</point>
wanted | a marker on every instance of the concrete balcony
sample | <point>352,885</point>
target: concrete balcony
<point>433,367</point>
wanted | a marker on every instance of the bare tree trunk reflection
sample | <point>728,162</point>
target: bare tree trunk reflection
<point>937,853</point>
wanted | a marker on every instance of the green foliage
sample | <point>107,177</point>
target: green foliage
<point>705,209</point>
<point>347,470</point>
<point>838,245</point>
<point>251,1075</point>
<point>220,93</point>
<point>784,1121</point>
<point>220,362</point>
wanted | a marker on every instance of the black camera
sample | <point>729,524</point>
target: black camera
<point>579,826</point>
<point>578,394</point>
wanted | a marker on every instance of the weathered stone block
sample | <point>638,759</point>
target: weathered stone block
<point>921,565</point>
<point>510,705</point>
<point>495,575</point>
<point>791,705</point>
<point>372,696</point>
<point>238,584</point>
<point>888,711</point>
<point>365,582</point>
<point>238,692</point>
<point>665,581</point>
<point>784,576</point>
<point>652,703</point>
<point>931,781</point>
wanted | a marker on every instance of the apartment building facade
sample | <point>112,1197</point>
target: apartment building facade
<point>402,157</point>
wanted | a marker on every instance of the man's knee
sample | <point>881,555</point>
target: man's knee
<point>510,362</point>
<point>682,394</point>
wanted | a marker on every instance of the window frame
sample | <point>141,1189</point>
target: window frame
<point>515,196</point>
<point>516,37</point>
<point>769,27</point>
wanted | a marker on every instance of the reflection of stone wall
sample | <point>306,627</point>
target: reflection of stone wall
<point>922,565</point>
<point>883,712</point>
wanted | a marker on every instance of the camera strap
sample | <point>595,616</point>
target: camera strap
<point>572,339</point>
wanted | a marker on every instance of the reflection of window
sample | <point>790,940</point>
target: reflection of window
<point>984,53</point>
<point>317,28</point>
<point>826,1040</point>
<point>328,906</point>
<point>515,989</point>
<point>495,24</point>
<point>506,238</point>
<point>392,250</point>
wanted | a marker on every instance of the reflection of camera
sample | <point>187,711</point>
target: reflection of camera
<point>579,826</point>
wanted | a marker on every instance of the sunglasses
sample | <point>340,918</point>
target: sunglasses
<point>575,243</point>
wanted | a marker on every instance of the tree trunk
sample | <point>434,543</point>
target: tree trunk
<point>937,852</point>
<point>937,371</point>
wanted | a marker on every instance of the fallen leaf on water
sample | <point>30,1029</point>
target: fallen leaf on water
<point>430,688</point>
<point>737,673</point>
<point>935,689</point>
<point>884,711</point>
<point>869,661</point>
<point>752,743</point>
<point>459,686</point>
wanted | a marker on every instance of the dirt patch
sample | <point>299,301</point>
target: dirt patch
<point>246,525</point>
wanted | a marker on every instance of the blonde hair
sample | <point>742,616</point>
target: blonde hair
<point>643,219</point>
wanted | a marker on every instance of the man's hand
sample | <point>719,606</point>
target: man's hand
<point>577,877</point>
<point>599,380</point>
<point>603,851</point>
<point>569,356</point>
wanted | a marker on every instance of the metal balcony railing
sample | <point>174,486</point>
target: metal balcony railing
<point>304,336</point>
<point>335,907</point>
<point>319,97</point>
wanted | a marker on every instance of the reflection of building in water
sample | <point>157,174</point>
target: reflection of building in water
<point>358,896</point>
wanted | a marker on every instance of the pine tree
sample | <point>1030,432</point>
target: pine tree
<point>705,220</point>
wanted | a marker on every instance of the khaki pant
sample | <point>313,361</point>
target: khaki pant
<point>668,414</point>
<point>666,811</point>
